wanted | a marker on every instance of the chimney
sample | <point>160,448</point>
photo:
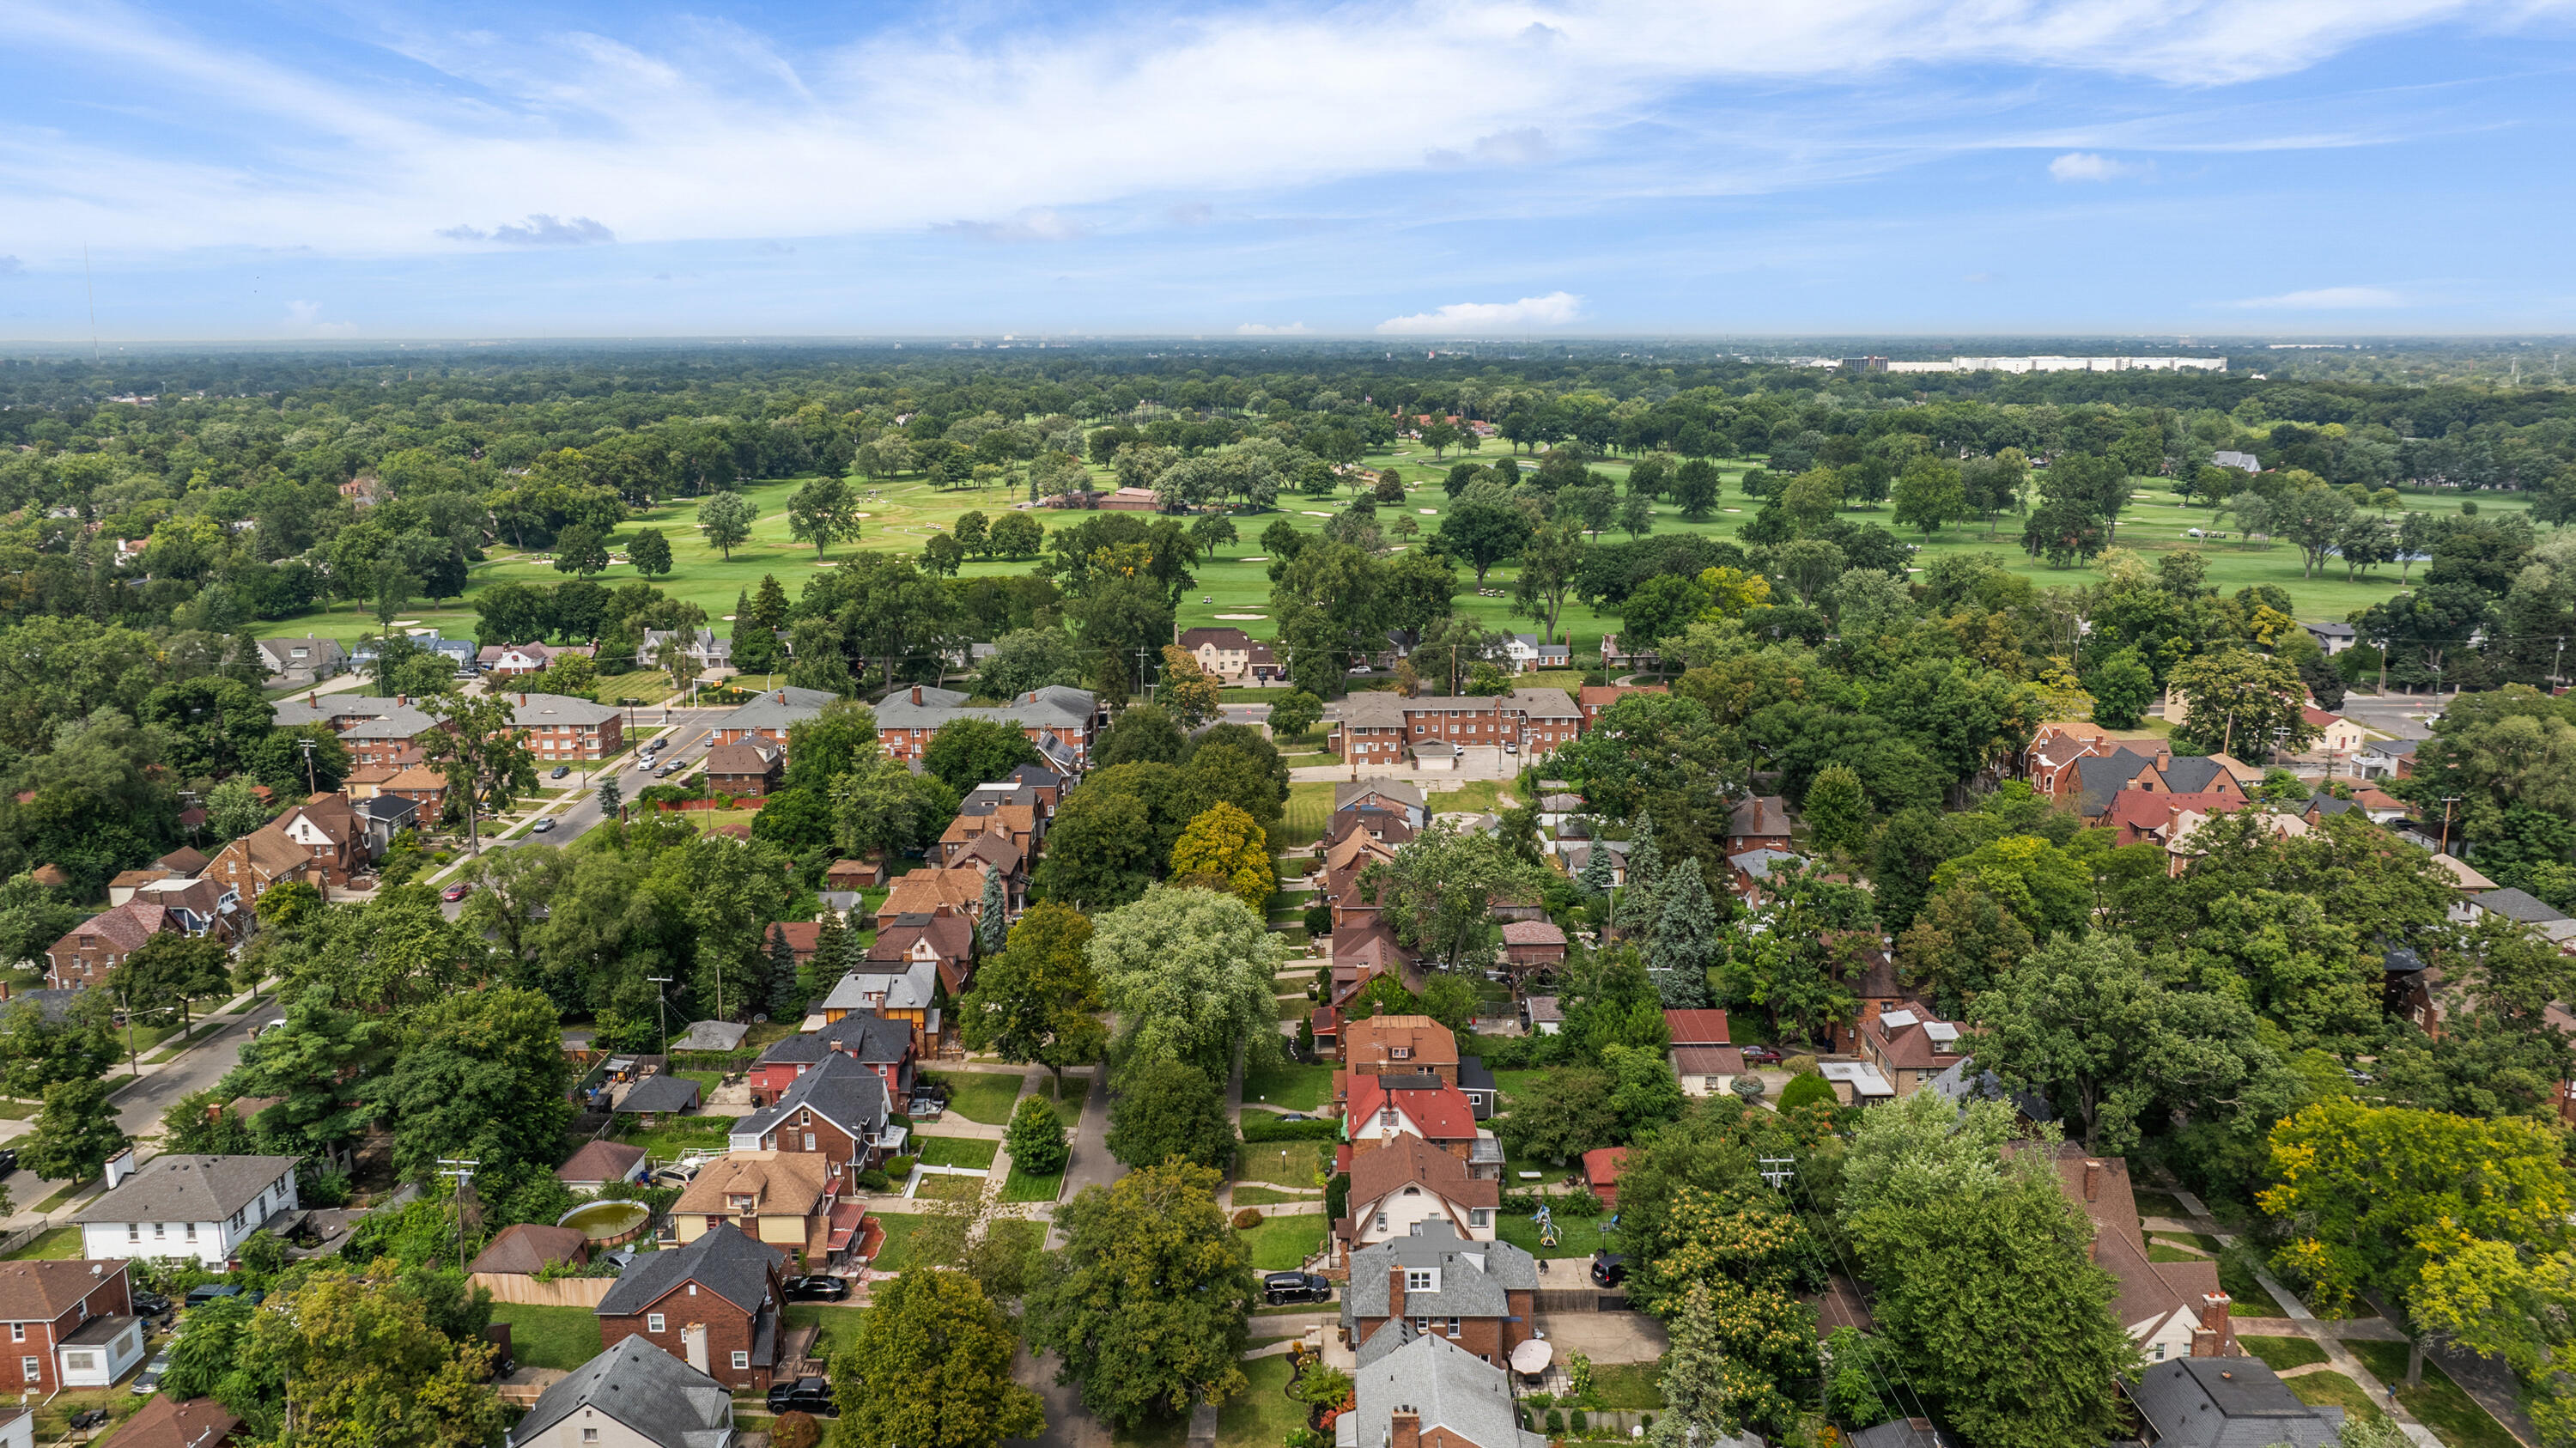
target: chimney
<point>2094,1171</point>
<point>782,695</point>
<point>402,701</point>
<point>523,701</point>
<point>1395,1291</point>
<point>1406,1427</point>
<point>2216,1320</point>
<point>313,700</point>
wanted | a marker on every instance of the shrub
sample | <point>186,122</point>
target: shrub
<point>1555,1422</point>
<point>1337,1196</point>
<point>1747,1089</point>
<point>899,1168</point>
<point>1576,1421</point>
<point>1576,1204</point>
<point>1247,1219</point>
<point>873,1180</point>
<point>795,1430</point>
<point>1807,1088</point>
<point>1036,1139</point>
<point>321,1188</point>
<point>1798,1065</point>
<point>1319,921</point>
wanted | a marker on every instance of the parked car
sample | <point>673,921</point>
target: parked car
<point>205,1292</point>
<point>674,1176</point>
<point>543,827</point>
<point>150,1304</point>
<point>454,893</point>
<point>150,1378</point>
<point>818,1288</point>
<point>805,1395</point>
<point>1283,1287</point>
<point>1760,1055</point>
<point>668,766</point>
<point>559,771</point>
<point>1609,1269</point>
<point>1295,1116</point>
<point>8,1161</point>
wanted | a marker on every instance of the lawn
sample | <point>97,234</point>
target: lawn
<point>840,1324</point>
<point>971,1151</point>
<point>1299,1088</point>
<point>1068,1107</point>
<point>2283,1352</point>
<point>685,1133</point>
<point>984,1096</point>
<point>65,1195</point>
<point>949,1189</point>
<point>1310,809</point>
<point>1630,1386</point>
<point>1021,1186</point>
<point>58,1244</point>
<point>2333,1389</point>
<point>1476,797</point>
<point>2453,1415</point>
<point>1575,1236</point>
<point>2158,1204</point>
<point>54,1414</point>
<point>1245,1196</point>
<point>898,1237</point>
<point>19,1110</point>
<point>1281,1243</point>
<point>2236,1278</point>
<point>549,1337</point>
<point>1263,1414</point>
<point>1282,1163</point>
<point>651,685</point>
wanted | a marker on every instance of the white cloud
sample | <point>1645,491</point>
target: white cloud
<point>306,317</point>
<point>690,129</point>
<point>1553,310</point>
<point>538,230</point>
<point>1264,329</point>
<point>2087,166</point>
<point>2329,299</point>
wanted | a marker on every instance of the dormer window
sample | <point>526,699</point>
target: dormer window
<point>1400,1053</point>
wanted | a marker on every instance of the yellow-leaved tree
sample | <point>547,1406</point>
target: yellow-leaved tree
<point>1225,849</point>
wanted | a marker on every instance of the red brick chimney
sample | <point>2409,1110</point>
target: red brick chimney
<point>1407,1428</point>
<point>916,693</point>
<point>2093,1174</point>
<point>1395,1291</point>
<point>2217,1334</point>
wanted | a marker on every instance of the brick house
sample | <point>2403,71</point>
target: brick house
<point>1594,699</point>
<point>1381,1045</point>
<point>1377,728</point>
<point>883,1046</point>
<point>71,1323</point>
<point>1759,823</point>
<point>713,1303</point>
<point>836,1109</point>
<point>1060,721</point>
<point>1407,1185</point>
<point>1225,653</point>
<point>750,768</point>
<point>1378,1109</point>
<point>1533,944</point>
<point>782,1199</point>
<point>1479,1295</point>
<point>946,941</point>
<point>89,950</point>
<point>559,728</point>
<point>933,892</point>
<point>2170,1309</point>
<point>769,714</point>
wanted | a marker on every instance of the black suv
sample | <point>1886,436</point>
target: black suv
<point>817,1289</point>
<point>1285,1287</point>
<point>1609,1268</point>
<point>805,1395</point>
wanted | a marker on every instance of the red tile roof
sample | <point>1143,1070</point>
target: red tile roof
<point>1697,1028</point>
<point>1442,1112</point>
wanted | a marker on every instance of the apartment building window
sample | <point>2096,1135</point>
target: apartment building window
<point>17,1332</point>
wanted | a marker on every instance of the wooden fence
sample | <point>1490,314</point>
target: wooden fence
<point>527,1291</point>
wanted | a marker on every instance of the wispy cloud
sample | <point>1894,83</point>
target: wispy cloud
<point>10,266</point>
<point>1264,329</point>
<point>1553,310</point>
<point>539,229</point>
<point>1039,224</point>
<point>306,317</point>
<point>1520,146</point>
<point>2329,299</point>
<point>2088,166</point>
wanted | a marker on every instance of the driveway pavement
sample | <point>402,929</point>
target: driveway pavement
<point>1604,1337</point>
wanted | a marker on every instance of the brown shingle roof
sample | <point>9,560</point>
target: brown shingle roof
<point>530,1247</point>
<point>43,1291</point>
<point>1372,1040</point>
<point>124,928</point>
<point>1532,932</point>
<point>600,1161</point>
<point>784,1184</point>
<point>1411,1161</point>
<point>1697,1028</point>
<point>163,1423</point>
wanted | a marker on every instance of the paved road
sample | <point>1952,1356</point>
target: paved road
<point>2402,716</point>
<point>139,1107</point>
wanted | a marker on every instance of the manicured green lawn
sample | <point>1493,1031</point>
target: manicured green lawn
<point>58,1244</point>
<point>2333,1389</point>
<point>984,1096</point>
<point>549,1337</point>
<point>1632,1386</point>
<point>2283,1352</point>
<point>1476,797</point>
<point>650,684</point>
<point>972,1151</point>
<point>1068,1105</point>
<point>899,1228</point>
<point>2237,1280</point>
<point>840,1324</point>
<point>676,1135</point>
<point>2453,1415</point>
<point>1281,1243</point>
<point>1265,1197</point>
<point>1299,1088</point>
<point>1022,1186</point>
<point>1310,809</point>
<point>949,1189</point>
<point>1282,1163</point>
<point>1575,1237</point>
<point>1262,1415</point>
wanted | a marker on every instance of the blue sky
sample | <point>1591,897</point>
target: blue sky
<point>1417,168</point>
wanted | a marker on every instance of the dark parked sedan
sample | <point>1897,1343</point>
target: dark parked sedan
<point>205,1292</point>
<point>8,1161</point>
<point>817,1288</point>
<point>1285,1287</point>
<point>150,1304</point>
<point>805,1395</point>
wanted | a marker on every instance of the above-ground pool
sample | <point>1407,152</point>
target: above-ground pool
<point>607,1224</point>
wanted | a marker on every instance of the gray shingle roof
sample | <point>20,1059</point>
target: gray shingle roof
<point>1054,706</point>
<point>1348,792</point>
<point>652,1393</point>
<point>907,989</point>
<point>180,1188</point>
<point>1474,1276</point>
<point>2104,776</point>
<point>874,1038</point>
<point>1447,1385</point>
<point>659,1095</point>
<point>2191,773</point>
<point>840,1090</point>
<point>1545,703</point>
<point>724,1261</point>
<point>775,709</point>
<point>2519,905</point>
<point>2228,1403</point>
<point>548,711</point>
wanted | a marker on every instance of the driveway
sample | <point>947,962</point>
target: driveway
<point>1604,1337</point>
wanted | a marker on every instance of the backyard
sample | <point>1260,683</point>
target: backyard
<point>1297,1088</point>
<point>549,1337</point>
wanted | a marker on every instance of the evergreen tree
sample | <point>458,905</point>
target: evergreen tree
<point>1837,810</point>
<point>1685,941</point>
<point>612,800</point>
<point>784,1001</point>
<point>769,605</point>
<point>1643,904</point>
<point>1599,870</point>
<point>829,944</point>
<point>992,930</point>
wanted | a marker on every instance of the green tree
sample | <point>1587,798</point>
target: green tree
<point>967,752</point>
<point>1481,529</point>
<point>2047,889</point>
<point>1928,494</point>
<point>1188,974</point>
<point>364,1362</point>
<point>485,757</point>
<point>39,1052</point>
<point>1225,850</point>
<point>1987,1289</point>
<point>1035,1138</point>
<point>1695,485</point>
<point>1550,562</point>
<point>207,1361</point>
<point>2122,687</point>
<point>2240,702</point>
<point>1440,889</point>
<point>650,552</point>
<point>1150,1301</point>
<point>581,550</point>
<point>1169,1110</point>
<point>1100,850</point>
<point>1564,1114</point>
<point>169,971</point>
<point>1295,713</point>
<point>32,917</point>
<point>1038,1000</point>
<point>75,1133</point>
<point>233,809</point>
<point>1685,942</point>
<point>820,514</point>
<point>1837,811</point>
<point>203,1123</point>
<point>1141,734</point>
<point>931,1368</point>
<point>786,1000</point>
<point>481,1076</point>
<point>320,1064</point>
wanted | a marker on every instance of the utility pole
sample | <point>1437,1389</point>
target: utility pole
<point>1777,1170</point>
<point>2553,666</point>
<point>2447,801</point>
<point>463,1171</point>
<point>661,1015</point>
<point>309,787</point>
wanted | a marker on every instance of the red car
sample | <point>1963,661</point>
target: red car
<point>454,893</point>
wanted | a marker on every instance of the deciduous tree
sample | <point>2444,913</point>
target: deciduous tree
<point>931,1368</point>
<point>1189,975</point>
<point>1038,1000</point>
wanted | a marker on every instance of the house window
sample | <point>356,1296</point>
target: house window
<point>1453,1327</point>
<point>590,1435</point>
<point>27,1369</point>
<point>1480,1216</point>
<point>1422,1324</point>
<point>80,1362</point>
<point>1381,1221</point>
<point>17,1332</point>
<point>652,1322</point>
<point>192,1227</point>
<point>134,1231</point>
<point>160,1230</point>
<point>741,1360</point>
<point>809,1141</point>
<point>1401,1053</point>
<point>1418,1279</point>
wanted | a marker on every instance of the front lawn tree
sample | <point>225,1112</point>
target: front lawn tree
<point>1035,1138</point>
<point>1166,1111</point>
<point>75,1133</point>
<point>1038,1000</point>
<point>169,971</point>
<point>1189,975</point>
<point>485,757</point>
<point>931,1368</point>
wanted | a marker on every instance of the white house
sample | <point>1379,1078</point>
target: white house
<point>1529,655</point>
<point>188,1206</point>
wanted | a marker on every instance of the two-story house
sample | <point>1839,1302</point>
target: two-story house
<point>713,1303</point>
<point>883,1046</point>
<point>1225,653</point>
<point>1406,1182</point>
<point>1480,1295</point>
<point>781,1198</point>
<point>1910,1047</point>
<point>633,1395</point>
<point>71,1324</point>
<point>749,769</point>
<point>559,728</point>
<point>1432,1393</point>
<point>179,1205</point>
<point>1059,720</point>
<point>906,991</point>
<point>509,661</point>
<point>838,1109</point>
<point>89,950</point>
<point>946,941</point>
<point>1379,1109</point>
<point>1384,1045</point>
